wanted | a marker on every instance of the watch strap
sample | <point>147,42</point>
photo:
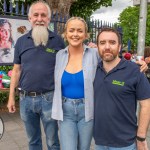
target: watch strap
<point>141,139</point>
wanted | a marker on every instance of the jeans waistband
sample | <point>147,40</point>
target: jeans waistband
<point>79,100</point>
<point>32,94</point>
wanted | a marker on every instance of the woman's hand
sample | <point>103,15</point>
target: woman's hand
<point>92,45</point>
<point>143,65</point>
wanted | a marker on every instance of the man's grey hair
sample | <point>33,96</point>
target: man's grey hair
<point>42,2</point>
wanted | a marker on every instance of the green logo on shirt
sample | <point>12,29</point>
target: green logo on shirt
<point>50,50</point>
<point>118,82</point>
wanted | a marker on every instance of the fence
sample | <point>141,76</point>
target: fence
<point>96,25</point>
<point>57,21</point>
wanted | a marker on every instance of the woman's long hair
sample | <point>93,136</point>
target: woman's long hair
<point>2,23</point>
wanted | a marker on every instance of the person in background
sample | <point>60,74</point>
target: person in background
<point>6,42</point>
<point>127,56</point>
<point>33,73</point>
<point>134,56</point>
<point>118,85</point>
<point>123,52</point>
<point>73,96</point>
<point>147,60</point>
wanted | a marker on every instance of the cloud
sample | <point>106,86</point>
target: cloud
<point>111,13</point>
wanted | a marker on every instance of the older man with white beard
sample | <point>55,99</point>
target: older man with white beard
<point>33,73</point>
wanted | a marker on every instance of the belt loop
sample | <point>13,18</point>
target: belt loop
<point>64,99</point>
<point>43,95</point>
<point>83,99</point>
<point>24,93</point>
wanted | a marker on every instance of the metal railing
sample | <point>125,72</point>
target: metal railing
<point>58,21</point>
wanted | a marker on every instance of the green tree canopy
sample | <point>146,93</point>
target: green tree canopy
<point>85,8</point>
<point>129,21</point>
<point>82,8</point>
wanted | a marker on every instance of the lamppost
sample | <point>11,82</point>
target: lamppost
<point>142,25</point>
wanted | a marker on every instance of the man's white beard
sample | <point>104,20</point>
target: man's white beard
<point>40,35</point>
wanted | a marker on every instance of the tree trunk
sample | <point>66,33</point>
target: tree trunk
<point>62,7</point>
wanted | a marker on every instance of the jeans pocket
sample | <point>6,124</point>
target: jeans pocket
<point>21,97</point>
<point>48,97</point>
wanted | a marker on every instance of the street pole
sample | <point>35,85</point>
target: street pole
<point>142,27</point>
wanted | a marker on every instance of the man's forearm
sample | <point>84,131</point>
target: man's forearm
<point>14,81</point>
<point>13,84</point>
<point>144,118</point>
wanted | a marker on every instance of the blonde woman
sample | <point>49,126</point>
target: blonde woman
<point>73,98</point>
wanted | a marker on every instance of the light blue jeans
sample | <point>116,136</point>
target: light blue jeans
<point>34,109</point>
<point>75,133</point>
<point>101,147</point>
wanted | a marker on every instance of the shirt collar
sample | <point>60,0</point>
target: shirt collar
<point>122,64</point>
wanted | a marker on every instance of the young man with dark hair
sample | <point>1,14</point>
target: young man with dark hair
<point>118,86</point>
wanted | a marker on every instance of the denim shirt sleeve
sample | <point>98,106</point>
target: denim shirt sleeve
<point>90,62</point>
<point>61,62</point>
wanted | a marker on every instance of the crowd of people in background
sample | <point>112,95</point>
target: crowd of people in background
<point>132,56</point>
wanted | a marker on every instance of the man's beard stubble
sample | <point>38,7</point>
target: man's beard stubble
<point>40,35</point>
<point>110,57</point>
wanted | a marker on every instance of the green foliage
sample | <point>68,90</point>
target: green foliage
<point>1,6</point>
<point>6,68</point>
<point>129,21</point>
<point>85,8</point>
<point>148,28</point>
<point>3,97</point>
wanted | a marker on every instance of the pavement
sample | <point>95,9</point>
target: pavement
<point>14,137</point>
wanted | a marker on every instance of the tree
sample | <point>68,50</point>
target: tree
<point>129,21</point>
<point>83,8</point>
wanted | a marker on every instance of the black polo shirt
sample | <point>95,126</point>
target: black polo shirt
<point>37,63</point>
<point>116,94</point>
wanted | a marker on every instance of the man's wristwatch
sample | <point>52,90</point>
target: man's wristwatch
<point>141,139</point>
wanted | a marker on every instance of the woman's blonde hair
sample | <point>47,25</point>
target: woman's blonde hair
<point>75,18</point>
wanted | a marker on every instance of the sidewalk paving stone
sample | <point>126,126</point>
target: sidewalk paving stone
<point>14,137</point>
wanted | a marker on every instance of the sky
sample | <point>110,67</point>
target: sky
<point>111,13</point>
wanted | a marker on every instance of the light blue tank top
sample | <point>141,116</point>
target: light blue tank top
<point>72,85</point>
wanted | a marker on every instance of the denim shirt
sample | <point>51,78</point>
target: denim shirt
<point>89,65</point>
